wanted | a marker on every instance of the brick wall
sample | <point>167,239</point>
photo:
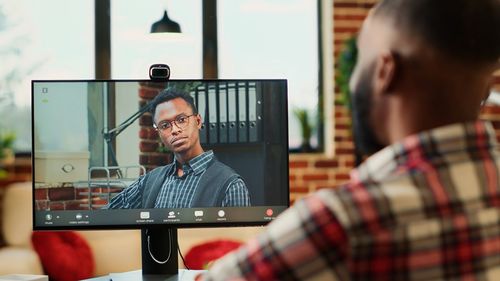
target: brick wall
<point>309,173</point>
<point>150,157</point>
<point>69,197</point>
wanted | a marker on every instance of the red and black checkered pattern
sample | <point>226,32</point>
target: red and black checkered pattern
<point>427,208</point>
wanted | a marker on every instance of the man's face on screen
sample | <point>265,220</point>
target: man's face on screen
<point>177,126</point>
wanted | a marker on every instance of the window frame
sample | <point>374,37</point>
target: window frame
<point>210,59</point>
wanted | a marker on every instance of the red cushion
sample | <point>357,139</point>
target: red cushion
<point>65,255</point>
<point>199,256</point>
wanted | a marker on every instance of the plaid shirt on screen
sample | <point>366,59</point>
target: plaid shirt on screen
<point>427,208</point>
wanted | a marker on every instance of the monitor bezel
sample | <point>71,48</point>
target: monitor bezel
<point>262,222</point>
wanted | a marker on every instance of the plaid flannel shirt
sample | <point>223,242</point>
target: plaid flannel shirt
<point>427,208</point>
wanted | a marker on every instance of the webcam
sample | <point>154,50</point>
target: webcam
<point>159,72</point>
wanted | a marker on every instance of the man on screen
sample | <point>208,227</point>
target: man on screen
<point>195,178</point>
<point>426,204</point>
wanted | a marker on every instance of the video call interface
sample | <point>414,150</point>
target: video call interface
<point>101,159</point>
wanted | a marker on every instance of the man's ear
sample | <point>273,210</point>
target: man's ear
<point>198,121</point>
<point>385,72</point>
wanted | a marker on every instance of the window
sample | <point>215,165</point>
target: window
<point>51,39</point>
<point>274,39</point>
<point>256,39</point>
<point>134,49</point>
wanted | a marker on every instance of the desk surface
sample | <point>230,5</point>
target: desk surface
<point>184,275</point>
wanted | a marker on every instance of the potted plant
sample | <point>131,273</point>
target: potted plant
<point>306,128</point>
<point>346,62</point>
<point>6,151</point>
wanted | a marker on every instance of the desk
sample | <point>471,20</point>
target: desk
<point>184,275</point>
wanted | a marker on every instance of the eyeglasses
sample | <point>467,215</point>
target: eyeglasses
<point>180,121</point>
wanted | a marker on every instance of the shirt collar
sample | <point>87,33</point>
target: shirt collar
<point>198,164</point>
<point>437,146</point>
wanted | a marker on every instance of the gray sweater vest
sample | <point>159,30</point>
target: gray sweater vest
<point>209,193</point>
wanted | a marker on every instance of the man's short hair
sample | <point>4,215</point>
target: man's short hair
<point>467,30</point>
<point>170,94</point>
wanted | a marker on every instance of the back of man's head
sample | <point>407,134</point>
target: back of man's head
<point>466,30</point>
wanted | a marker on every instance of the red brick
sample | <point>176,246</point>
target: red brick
<point>144,133</point>
<point>76,205</point>
<point>350,30</point>
<point>318,177</point>
<point>147,93</point>
<point>148,146</point>
<point>80,193</point>
<point>111,190</point>
<point>22,168</point>
<point>491,109</point>
<point>292,177</point>
<point>496,125</point>
<point>353,4</point>
<point>340,107</point>
<point>344,151</point>
<point>343,138</point>
<point>342,126</point>
<point>146,120</point>
<point>61,193</point>
<point>298,164</point>
<point>350,163</point>
<point>358,18</point>
<point>148,133</point>
<point>41,205</point>
<point>299,189</point>
<point>144,159</point>
<point>325,187</point>
<point>99,201</point>
<point>41,194</point>
<point>96,189</point>
<point>326,164</point>
<point>56,206</point>
<point>342,177</point>
<point>339,114</point>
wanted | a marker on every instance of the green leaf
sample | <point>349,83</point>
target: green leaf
<point>346,63</point>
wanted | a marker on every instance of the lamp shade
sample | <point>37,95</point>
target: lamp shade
<point>165,25</point>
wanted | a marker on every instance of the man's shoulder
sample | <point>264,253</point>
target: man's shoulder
<point>357,202</point>
<point>363,191</point>
<point>217,165</point>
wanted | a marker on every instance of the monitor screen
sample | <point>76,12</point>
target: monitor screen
<point>135,153</point>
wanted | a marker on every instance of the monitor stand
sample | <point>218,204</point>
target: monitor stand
<point>159,258</point>
<point>159,253</point>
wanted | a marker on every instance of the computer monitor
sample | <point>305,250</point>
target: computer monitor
<point>101,160</point>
